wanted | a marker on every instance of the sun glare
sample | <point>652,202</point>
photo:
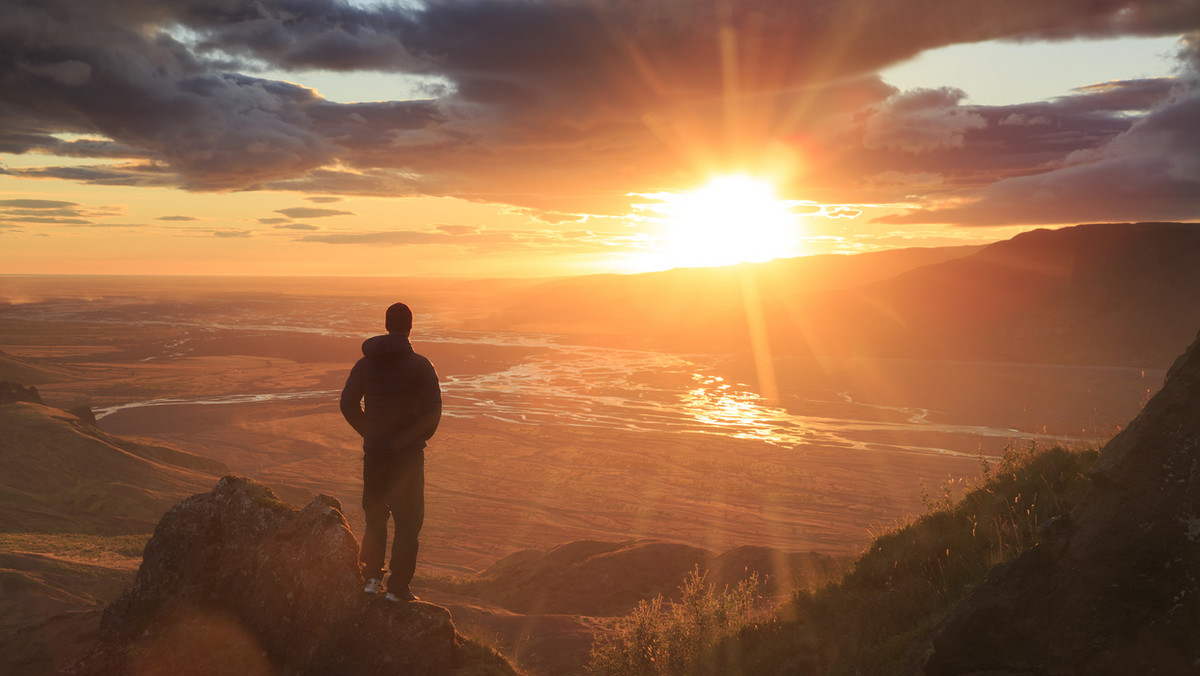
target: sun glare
<point>732,219</point>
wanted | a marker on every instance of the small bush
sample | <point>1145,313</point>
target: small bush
<point>660,637</point>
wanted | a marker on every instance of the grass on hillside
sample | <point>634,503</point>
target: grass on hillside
<point>880,617</point>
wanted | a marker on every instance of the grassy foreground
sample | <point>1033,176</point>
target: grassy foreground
<point>880,617</point>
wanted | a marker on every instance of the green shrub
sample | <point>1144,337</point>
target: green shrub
<point>661,637</point>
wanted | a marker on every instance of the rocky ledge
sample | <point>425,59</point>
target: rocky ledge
<point>236,581</point>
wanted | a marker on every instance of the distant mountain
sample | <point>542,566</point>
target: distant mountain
<point>1115,294</point>
<point>1126,294</point>
<point>695,306</point>
<point>64,475</point>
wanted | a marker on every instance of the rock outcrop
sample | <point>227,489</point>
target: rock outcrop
<point>1115,589</point>
<point>13,392</point>
<point>236,581</point>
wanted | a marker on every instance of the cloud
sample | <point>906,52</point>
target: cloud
<point>921,120</point>
<point>390,238</point>
<point>841,212</point>
<point>323,199</point>
<point>32,211</point>
<point>38,204</point>
<point>273,220</point>
<point>312,212</point>
<point>482,239</point>
<point>1149,172</point>
<point>232,233</point>
<point>294,226</point>
<point>563,106</point>
<point>460,229</point>
<point>176,218</point>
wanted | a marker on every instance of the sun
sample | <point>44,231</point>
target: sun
<point>732,219</point>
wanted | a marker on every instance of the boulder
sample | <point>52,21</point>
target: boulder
<point>236,581</point>
<point>1114,589</point>
<point>12,392</point>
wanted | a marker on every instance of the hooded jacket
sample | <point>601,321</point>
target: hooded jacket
<point>392,397</point>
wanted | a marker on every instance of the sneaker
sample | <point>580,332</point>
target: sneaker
<point>406,595</point>
<point>374,587</point>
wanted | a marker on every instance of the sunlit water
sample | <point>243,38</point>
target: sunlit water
<point>604,388</point>
<point>566,385</point>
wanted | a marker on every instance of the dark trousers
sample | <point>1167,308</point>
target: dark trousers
<point>393,485</point>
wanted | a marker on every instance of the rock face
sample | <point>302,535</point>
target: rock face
<point>236,581</point>
<point>11,392</point>
<point>1116,590</point>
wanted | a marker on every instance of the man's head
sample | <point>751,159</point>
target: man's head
<point>398,319</point>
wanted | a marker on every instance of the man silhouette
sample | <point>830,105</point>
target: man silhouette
<point>393,401</point>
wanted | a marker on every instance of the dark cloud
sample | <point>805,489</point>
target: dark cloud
<point>312,212</point>
<point>232,233</point>
<point>927,160</point>
<point>38,204</point>
<point>1150,172</point>
<point>482,239</point>
<point>921,120</point>
<point>140,175</point>
<point>176,218</point>
<point>562,106</point>
<point>32,211</point>
<point>390,238</point>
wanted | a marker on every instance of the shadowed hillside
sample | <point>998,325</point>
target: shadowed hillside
<point>610,578</point>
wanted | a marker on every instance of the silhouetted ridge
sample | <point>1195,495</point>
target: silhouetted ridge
<point>236,581</point>
<point>1124,294</point>
<point>1113,590</point>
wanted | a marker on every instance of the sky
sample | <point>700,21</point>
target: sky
<point>554,137</point>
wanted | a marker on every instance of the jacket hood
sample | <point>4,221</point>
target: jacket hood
<point>385,346</point>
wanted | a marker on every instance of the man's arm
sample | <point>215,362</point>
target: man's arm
<point>431,403</point>
<point>429,413</point>
<point>351,401</point>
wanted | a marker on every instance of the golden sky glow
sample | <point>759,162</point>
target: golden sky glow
<point>731,219</point>
<point>406,139</point>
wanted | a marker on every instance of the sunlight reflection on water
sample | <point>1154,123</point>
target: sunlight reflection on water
<point>715,402</point>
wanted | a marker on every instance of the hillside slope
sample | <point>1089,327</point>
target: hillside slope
<point>18,370</point>
<point>1122,294</point>
<point>64,475</point>
<point>694,306</point>
<point>1113,589</point>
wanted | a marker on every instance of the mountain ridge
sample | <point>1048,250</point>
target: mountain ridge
<point>1128,293</point>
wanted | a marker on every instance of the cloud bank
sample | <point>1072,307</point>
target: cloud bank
<point>560,104</point>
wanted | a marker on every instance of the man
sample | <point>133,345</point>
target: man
<point>392,399</point>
